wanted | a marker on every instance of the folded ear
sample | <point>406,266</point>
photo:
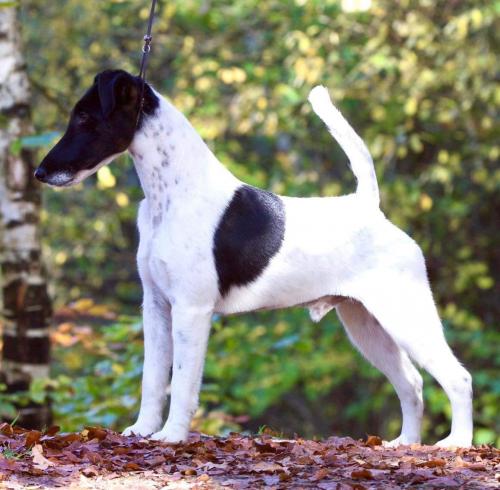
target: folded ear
<point>116,89</point>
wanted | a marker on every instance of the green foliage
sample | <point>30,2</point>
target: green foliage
<point>416,79</point>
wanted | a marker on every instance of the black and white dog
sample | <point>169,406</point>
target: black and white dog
<point>210,243</point>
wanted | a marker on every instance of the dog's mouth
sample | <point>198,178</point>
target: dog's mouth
<point>56,179</point>
<point>68,183</point>
<point>71,176</point>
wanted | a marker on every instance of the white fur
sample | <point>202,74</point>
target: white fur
<point>337,252</point>
<point>354,147</point>
<point>83,174</point>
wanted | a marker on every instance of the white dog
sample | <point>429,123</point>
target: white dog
<point>211,244</point>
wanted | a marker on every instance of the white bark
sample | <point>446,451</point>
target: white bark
<point>26,306</point>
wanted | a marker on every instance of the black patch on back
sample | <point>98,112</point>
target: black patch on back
<point>249,234</point>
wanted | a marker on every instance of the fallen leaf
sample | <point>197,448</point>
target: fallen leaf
<point>266,467</point>
<point>32,438</point>
<point>238,461</point>
<point>39,460</point>
<point>320,474</point>
<point>52,430</point>
<point>96,433</point>
<point>433,463</point>
<point>6,429</point>
<point>373,441</point>
<point>362,474</point>
<point>90,471</point>
<point>131,466</point>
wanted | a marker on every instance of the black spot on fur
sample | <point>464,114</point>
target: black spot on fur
<point>249,234</point>
<point>157,220</point>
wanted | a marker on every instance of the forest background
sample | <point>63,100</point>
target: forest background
<point>417,79</point>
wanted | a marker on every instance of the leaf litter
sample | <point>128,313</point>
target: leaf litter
<point>99,458</point>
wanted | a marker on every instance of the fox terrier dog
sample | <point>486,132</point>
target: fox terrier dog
<point>210,243</point>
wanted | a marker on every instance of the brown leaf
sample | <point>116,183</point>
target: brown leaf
<point>6,429</point>
<point>476,466</point>
<point>96,433</point>
<point>71,457</point>
<point>285,476</point>
<point>131,466</point>
<point>373,441</point>
<point>320,474</point>
<point>93,457</point>
<point>362,474</point>
<point>156,461</point>
<point>52,430</point>
<point>61,440</point>
<point>32,438</point>
<point>433,463</point>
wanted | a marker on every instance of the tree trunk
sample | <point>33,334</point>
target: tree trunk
<point>26,306</point>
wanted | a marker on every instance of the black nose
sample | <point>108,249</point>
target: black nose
<point>41,174</point>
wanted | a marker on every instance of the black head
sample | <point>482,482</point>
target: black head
<point>102,125</point>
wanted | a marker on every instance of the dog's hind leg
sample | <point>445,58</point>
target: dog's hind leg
<point>404,307</point>
<point>376,345</point>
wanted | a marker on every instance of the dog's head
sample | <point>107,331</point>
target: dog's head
<point>102,125</point>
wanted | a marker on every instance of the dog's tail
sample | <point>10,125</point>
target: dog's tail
<point>353,146</point>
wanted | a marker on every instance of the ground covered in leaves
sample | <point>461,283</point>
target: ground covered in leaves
<point>98,458</point>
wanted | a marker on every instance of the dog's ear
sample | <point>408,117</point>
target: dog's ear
<point>116,89</point>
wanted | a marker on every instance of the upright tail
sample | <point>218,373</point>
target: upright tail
<point>353,146</point>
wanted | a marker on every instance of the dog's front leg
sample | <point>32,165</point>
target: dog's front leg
<point>190,330</point>
<point>157,325</point>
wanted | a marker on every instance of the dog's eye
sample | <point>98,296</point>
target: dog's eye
<point>82,117</point>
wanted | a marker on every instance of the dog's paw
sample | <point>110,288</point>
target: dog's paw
<point>455,441</point>
<point>170,436</point>
<point>138,430</point>
<point>402,440</point>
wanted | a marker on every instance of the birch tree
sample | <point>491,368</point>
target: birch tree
<point>26,306</point>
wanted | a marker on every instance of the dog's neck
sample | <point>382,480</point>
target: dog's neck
<point>171,160</point>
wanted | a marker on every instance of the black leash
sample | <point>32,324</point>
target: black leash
<point>145,55</point>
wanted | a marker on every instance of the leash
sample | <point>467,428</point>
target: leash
<point>146,49</point>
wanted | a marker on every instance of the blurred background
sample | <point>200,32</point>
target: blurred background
<point>417,79</point>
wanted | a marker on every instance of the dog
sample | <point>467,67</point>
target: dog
<point>211,244</point>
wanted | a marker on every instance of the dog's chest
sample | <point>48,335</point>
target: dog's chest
<point>176,254</point>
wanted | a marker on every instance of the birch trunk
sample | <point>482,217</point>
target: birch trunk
<point>26,306</point>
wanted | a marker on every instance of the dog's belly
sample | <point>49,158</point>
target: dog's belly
<point>326,243</point>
